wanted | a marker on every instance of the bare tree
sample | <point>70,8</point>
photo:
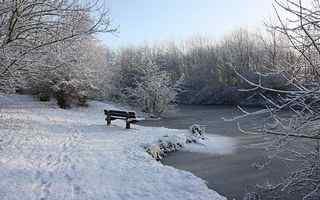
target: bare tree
<point>294,121</point>
<point>33,30</point>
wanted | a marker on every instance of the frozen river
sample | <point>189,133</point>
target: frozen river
<point>232,174</point>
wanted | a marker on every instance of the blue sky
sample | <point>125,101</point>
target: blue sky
<point>148,21</point>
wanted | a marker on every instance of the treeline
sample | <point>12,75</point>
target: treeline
<point>49,50</point>
<point>200,71</point>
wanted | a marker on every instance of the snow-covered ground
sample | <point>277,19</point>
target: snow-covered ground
<point>49,153</point>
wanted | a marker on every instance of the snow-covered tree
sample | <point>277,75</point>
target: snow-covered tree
<point>139,81</point>
<point>294,121</point>
<point>33,33</point>
<point>154,93</point>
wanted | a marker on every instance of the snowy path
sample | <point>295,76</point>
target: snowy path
<point>49,153</point>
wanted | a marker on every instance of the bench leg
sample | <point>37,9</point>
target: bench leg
<point>127,124</point>
<point>108,120</point>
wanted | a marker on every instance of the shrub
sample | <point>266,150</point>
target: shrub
<point>44,97</point>
<point>72,92</point>
<point>82,100</point>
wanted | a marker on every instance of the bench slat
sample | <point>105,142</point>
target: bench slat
<point>114,118</point>
<point>116,113</point>
<point>120,113</point>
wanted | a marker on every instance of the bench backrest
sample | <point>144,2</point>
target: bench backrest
<point>120,113</point>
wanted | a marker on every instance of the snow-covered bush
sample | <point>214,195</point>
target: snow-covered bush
<point>166,144</point>
<point>70,92</point>
<point>172,143</point>
<point>196,132</point>
<point>155,151</point>
<point>40,87</point>
<point>80,66</point>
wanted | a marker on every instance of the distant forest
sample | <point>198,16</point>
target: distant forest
<point>201,71</point>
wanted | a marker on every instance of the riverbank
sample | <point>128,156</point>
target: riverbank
<point>51,153</point>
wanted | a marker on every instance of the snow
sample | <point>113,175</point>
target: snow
<point>49,153</point>
<point>213,144</point>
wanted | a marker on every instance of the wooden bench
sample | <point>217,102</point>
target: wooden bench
<point>129,117</point>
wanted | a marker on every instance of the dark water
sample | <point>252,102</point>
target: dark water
<point>231,175</point>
